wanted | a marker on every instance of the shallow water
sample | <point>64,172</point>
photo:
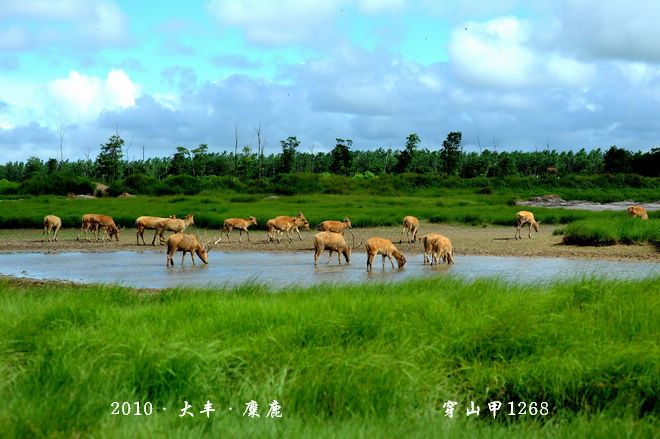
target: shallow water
<point>146,269</point>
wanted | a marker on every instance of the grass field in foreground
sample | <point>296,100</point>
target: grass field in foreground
<point>362,361</point>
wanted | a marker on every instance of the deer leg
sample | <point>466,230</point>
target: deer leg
<point>401,237</point>
<point>57,229</point>
<point>183,257</point>
<point>248,234</point>
<point>338,257</point>
<point>192,257</point>
<point>298,230</point>
<point>370,258</point>
<point>240,234</point>
<point>383,261</point>
<point>529,228</point>
<point>389,256</point>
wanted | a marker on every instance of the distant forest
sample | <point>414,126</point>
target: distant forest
<point>191,170</point>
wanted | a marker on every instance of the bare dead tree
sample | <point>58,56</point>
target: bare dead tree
<point>260,148</point>
<point>61,131</point>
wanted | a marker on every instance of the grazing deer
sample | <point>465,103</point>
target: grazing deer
<point>175,225</point>
<point>524,217</point>
<point>240,224</point>
<point>95,222</point>
<point>51,222</point>
<point>385,248</point>
<point>335,226</point>
<point>333,242</point>
<point>285,223</point>
<point>410,226</point>
<point>638,211</point>
<point>186,243</point>
<point>552,171</point>
<point>149,223</point>
<point>439,247</point>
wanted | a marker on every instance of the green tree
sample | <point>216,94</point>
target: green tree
<point>108,162</point>
<point>288,156</point>
<point>406,156</point>
<point>181,162</point>
<point>199,159</point>
<point>451,152</point>
<point>341,157</point>
<point>34,167</point>
<point>618,160</point>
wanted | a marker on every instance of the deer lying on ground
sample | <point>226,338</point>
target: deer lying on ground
<point>51,222</point>
<point>385,248</point>
<point>439,247</point>
<point>186,243</point>
<point>524,217</point>
<point>638,211</point>
<point>95,223</point>
<point>285,224</point>
<point>410,226</point>
<point>240,224</point>
<point>149,223</point>
<point>333,242</point>
<point>335,226</point>
<point>175,225</point>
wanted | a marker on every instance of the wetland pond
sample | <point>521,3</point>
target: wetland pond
<point>146,269</point>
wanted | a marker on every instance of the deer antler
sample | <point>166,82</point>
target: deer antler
<point>360,243</point>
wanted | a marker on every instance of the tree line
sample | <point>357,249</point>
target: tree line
<point>449,159</point>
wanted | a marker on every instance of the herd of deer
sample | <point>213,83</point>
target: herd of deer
<point>330,236</point>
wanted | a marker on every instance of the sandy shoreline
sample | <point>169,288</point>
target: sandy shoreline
<point>467,240</point>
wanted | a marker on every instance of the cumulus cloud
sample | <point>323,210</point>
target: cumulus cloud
<point>80,23</point>
<point>501,52</point>
<point>619,29</point>
<point>276,22</point>
<point>86,96</point>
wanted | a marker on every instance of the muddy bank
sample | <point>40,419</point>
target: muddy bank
<point>467,240</point>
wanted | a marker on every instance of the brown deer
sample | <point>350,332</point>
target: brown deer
<point>149,223</point>
<point>333,242</point>
<point>240,224</point>
<point>285,224</point>
<point>410,226</point>
<point>51,222</point>
<point>335,226</point>
<point>439,247</point>
<point>186,243</point>
<point>386,248</point>
<point>96,222</point>
<point>175,225</point>
<point>524,217</point>
<point>638,211</point>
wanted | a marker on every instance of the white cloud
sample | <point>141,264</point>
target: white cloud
<point>503,53</point>
<point>493,53</point>
<point>614,29</point>
<point>276,22</point>
<point>86,96</point>
<point>88,22</point>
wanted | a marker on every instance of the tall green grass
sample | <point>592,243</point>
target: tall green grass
<point>609,231</point>
<point>375,360</point>
<point>212,208</point>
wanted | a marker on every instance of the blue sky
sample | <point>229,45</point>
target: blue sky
<point>510,74</point>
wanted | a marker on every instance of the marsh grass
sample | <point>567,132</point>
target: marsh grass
<point>375,360</point>
<point>461,206</point>
<point>615,230</point>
